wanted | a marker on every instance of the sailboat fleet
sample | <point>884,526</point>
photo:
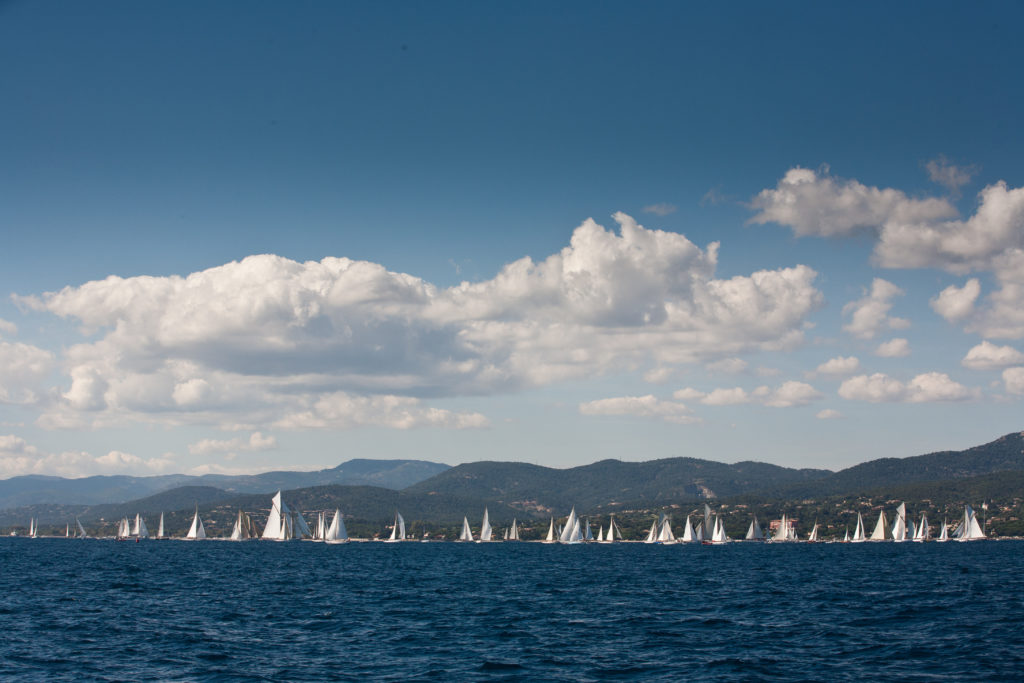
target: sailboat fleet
<point>286,524</point>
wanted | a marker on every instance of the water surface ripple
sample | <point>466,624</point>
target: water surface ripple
<point>220,611</point>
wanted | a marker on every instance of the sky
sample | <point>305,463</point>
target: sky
<point>284,235</point>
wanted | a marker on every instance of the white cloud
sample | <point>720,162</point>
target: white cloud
<point>640,406</point>
<point>18,457</point>
<point>792,394</point>
<point>23,368</point>
<point>838,366</point>
<point>252,341</point>
<point>988,356</point>
<point>924,388</point>
<point>659,375</point>
<point>828,414</point>
<point>869,315</point>
<point>7,327</point>
<point>726,397</point>
<point>1013,380</point>
<point>948,175</point>
<point>730,366</point>
<point>688,394</point>
<point>256,442</point>
<point>911,233</point>
<point>661,209</point>
<point>956,303</point>
<point>894,348</point>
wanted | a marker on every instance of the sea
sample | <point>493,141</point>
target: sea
<point>95,610</point>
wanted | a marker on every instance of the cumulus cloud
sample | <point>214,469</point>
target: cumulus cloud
<point>251,341</point>
<point>838,366</point>
<point>894,348</point>
<point>949,175</point>
<point>661,209</point>
<point>640,406</point>
<point>787,395</point>
<point>1013,380</point>
<point>869,315</point>
<point>18,457</point>
<point>730,366</point>
<point>956,303</point>
<point>256,442</point>
<point>23,368</point>
<point>828,414</point>
<point>7,327</point>
<point>925,388</point>
<point>988,356</point>
<point>911,233</point>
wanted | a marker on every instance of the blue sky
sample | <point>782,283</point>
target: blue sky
<point>786,233</point>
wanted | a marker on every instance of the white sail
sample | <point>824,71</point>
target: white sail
<point>665,534</point>
<point>160,529</point>
<point>899,527</point>
<point>652,535</point>
<point>466,534</point>
<point>921,531</point>
<point>719,534</point>
<point>124,528</point>
<point>944,533</point>
<point>813,537</point>
<point>708,529</point>
<point>600,534</point>
<point>880,528</point>
<point>785,531</point>
<point>398,530</point>
<point>32,531</point>
<point>688,535</point>
<point>485,528</point>
<point>754,532</point>
<point>336,532</point>
<point>277,527</point>
<point>970,530</point>
<point>571,531</point>
<point>236,530</point>
<point>300,527</point>
<point>699,532</point>
<point>588,535</point>
<point>846,536</point>
<point>196,531</point>
<point>513,534</point>
<point>858,533</point>
<point>67,531</point>
<point>81,529</point>
<point>551,532</point>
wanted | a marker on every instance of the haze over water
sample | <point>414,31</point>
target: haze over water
<point>95,610</point>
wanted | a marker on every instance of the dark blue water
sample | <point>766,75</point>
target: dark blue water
<point>101,610</point>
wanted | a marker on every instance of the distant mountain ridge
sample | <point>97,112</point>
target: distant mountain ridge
<point>97,490</point>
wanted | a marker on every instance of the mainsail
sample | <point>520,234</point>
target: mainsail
<point>858,533</point>
<point>652,535</point>
<point>688,535</point>
<point>719,534</point>
<point>196,532</point>
<point>336,532</point>
<point>485,528</point>
<point>899,527</point>
<point>944,534</point>
<point>398,530</point>
<point>466,534</point>
<point>160,529</point>
<point>551,532</point>
<point>81,529</point>
<point>969,529</point>
<point>879,533</point>
<point>785,532</point>
<point>513,534</point>
<point>813,537</point>
<point>665,534</point>
<point>754,532</point>
<point>922,533</point>
<point>140,529</point>
<point>571,532</point>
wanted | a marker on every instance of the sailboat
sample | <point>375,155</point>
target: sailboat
<point>466,534</point>
<point>124,529</point>
<point>513,533</point>
<point>243,529</point>
<point>81,529</point>
<point>846,536</point>
<point>551,532</point>
<point>571,533</point>
<point>943,534</point>
<point>698,534</point>
<point>718,536</point>
<point>485,529</point>
<point>600,534</point>
<point>283,523</point>
<point>336,532</point>
<point>688,534</point>
<point>652,535</point>
<point>879,534</point>
<point>588,535</point>
<point>858,533</point>
<point>33,528</point>
<point>754,532</point>
<point>899,527</point>
<point>398,530</point>
<point>140,530</point>
<point>196,532</point>
<point>160,529</point>
<point>922,533</point>
<point>813,537</point>
<point>969,529</point>
<point>785,532</point>
<point>67,531</point>
<point>665,534</point>
<point>613,531</point>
